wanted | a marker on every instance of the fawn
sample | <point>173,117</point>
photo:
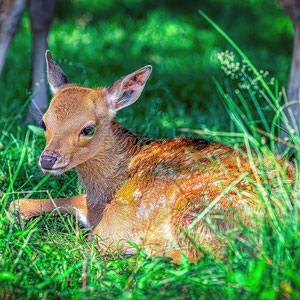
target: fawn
<point>149,192</point>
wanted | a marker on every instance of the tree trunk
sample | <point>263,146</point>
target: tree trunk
<point>292,123</point>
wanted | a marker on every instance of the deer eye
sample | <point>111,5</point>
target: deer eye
<point>88,131</point>
<point>44,126</point>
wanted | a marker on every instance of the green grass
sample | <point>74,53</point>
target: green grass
<point>48,256</point>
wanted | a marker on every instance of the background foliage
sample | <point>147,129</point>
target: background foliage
<point>96,42</point>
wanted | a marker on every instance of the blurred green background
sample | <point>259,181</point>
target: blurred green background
<point>98,41</point>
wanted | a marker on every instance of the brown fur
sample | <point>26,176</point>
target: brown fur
<point>145,191</point>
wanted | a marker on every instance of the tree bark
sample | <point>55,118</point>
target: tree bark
<point>292,122</point>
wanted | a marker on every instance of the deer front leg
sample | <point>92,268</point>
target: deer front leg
<point>10,16</point>
<point>28,208</point>
<point>41,15</point>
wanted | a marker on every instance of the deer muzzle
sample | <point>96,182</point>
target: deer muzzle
<point>49,160</point>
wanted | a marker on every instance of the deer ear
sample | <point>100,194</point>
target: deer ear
<point>127,90</point>
<point>56,77</point>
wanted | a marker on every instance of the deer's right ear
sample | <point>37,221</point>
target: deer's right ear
<point>56,77</point>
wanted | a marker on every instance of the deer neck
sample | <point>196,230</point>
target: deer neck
<point>104,173</point>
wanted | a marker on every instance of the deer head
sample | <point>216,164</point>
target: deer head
<point>77,122</point>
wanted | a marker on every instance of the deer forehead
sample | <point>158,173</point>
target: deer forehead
<point>75,105</point>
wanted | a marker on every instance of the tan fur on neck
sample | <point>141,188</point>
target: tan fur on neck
<point>101,176</point>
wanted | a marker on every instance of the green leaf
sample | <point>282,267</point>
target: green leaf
<point>38,131</point>
<point>7,276</point>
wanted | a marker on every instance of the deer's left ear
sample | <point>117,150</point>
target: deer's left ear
<point>127,90</point>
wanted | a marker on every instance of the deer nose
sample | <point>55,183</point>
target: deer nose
<point>47,161</point>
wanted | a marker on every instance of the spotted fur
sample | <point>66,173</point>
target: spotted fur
<point>150,192</point>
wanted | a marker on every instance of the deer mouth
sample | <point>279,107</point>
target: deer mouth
<point>53,163</point>
<point>55,171</point>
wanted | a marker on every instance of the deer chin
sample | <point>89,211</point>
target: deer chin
<point>54,172</point>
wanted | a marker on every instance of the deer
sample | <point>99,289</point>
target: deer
<point>147,192</point>
<point>41,14</point>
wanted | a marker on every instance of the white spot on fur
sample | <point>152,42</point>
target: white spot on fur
<point>166,228</point>
<point>219,206</point>
<point>219,182</point>
<point>137,194</point>
<point>120,199</point>
<point>82,218</point>
<point>242,202</point>
<point>189,161</point>
<point>199,185</point>
<point>244,205</point>
<point>218,151</point>
<point>144,210</point>
<point>182,176</point>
